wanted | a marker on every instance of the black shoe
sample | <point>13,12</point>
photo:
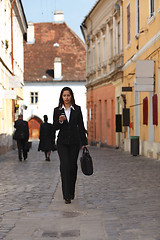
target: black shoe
<point>67,201</point>
<point>72,197</point>
<point>25,158</point>
<point>48,159</point>
<point>20,159</point>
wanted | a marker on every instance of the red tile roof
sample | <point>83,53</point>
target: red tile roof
<point>39,57</point>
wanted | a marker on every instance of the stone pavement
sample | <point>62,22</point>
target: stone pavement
<point>120,201</point>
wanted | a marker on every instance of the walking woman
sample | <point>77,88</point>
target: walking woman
<point>46,137</point>
<point>68,120</point>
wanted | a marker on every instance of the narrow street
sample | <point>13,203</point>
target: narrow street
<point>120,201</point>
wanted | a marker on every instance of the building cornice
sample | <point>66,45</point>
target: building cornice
<point>149,44</point>
<point>106,79</point>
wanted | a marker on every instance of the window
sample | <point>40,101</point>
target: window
<point>137,17</point>
<point>93,58</point>
<point>104,50</point>
<point>145,111</point>
<point>128,25</point>
<point>99,54</point>
<point>89,60</point>
<point>151,7</point>
<point>34,97</point>
<point>119,38</point>
<point>111,43</point>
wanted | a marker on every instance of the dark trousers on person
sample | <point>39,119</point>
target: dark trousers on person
<point>68,155</point>
<point>21,149</point>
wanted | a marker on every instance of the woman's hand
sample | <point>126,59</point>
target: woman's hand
<point>84,146</point>
<point>62,118</point>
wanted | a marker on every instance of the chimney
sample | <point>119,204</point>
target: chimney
<point>58,16</point>
<point>30,33</point>
<point>57,68</point>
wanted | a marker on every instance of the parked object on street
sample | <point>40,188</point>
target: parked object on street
<point>134,145</point>
<point>86,162</point>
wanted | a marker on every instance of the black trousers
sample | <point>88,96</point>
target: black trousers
<point>21,148</point>
<point>68,155</point>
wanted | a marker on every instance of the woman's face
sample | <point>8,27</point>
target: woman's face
<point>66,96</point>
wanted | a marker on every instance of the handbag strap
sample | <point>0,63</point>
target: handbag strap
<point>85,150</point>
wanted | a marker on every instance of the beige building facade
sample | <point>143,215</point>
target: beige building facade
<point>12,30</point>
<point>102,31</point>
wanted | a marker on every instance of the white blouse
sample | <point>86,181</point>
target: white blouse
<point>68,111</point>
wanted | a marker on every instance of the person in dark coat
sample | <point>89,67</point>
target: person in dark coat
<point>46,137</point>
<point>68,119</point>
<point>22,136</point>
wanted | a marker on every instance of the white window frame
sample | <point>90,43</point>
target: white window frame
<point>35,94</point>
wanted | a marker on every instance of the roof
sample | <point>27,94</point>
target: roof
<point>54,40</point>
<point>94,6</point>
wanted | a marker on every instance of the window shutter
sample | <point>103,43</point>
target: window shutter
<point>118,123</point>
<point>126,116</point>
<point>145,111</point>
<point>155,109</point>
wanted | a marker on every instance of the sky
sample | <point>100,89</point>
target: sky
<point>43,11</point>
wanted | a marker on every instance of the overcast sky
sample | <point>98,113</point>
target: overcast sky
<point>43,10</point>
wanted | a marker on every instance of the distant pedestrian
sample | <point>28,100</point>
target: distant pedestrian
<point>22,136</point>
<point>68,120</point>
<point>47,138</point>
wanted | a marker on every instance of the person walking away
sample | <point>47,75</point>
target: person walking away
<point>22,136</point>
<point>46,137</point>
<point>68,119</point>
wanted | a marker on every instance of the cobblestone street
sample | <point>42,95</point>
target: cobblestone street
<point>120,201</point>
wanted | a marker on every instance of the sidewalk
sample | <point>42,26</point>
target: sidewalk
<point>120,201</point>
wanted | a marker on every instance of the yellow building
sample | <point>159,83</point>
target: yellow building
<point>12,29</point>
<point>141,73</point>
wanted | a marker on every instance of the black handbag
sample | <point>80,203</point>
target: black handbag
<point>86,162</point>
<point>27,145</point>
<point>15,135</point>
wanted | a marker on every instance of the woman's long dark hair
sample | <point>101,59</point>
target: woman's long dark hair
<point>61,99</point>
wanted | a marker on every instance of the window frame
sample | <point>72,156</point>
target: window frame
<point>35,95</point>
<point>128,23</point>
<point>151,8</point>
<point>137,17</point>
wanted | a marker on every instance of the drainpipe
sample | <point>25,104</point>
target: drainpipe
<point>12,36</point>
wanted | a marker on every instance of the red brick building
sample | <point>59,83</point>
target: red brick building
<point>54,57</point>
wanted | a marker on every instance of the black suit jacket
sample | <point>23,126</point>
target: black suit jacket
<point>21,127</point>
<point>72,132</point>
